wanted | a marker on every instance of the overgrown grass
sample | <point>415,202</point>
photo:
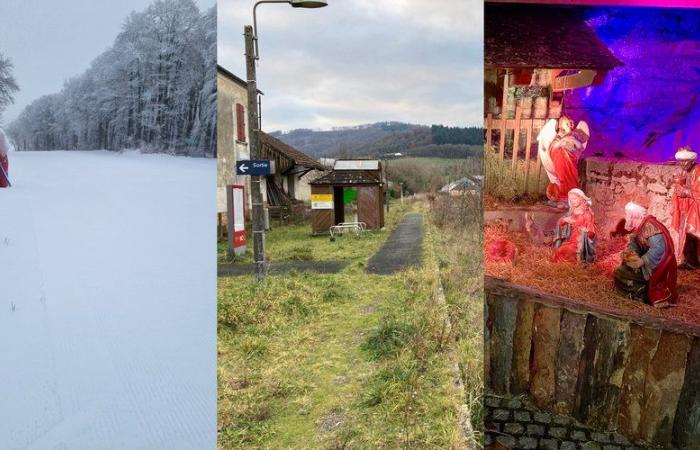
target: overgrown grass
<point>459,243</point>
<point>502,183</point>
<point>296,243</point>
<point>349,360</point>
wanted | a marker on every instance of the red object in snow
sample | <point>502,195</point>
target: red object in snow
<point>501,251</point>
<point>4,182</point>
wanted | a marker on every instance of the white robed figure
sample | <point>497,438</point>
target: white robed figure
<point>559,147</point>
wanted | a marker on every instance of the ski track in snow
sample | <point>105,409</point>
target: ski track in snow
<point>108,302</point>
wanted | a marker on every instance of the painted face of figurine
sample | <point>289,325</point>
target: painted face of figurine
<point>566,124</point>
<point>575,200</point>
<point>687,164</point>
<point>632,219</point>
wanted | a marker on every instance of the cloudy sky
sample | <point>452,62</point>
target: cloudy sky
<point>50,41</point>
<point>362,61</point>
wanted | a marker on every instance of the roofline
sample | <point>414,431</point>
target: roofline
<point>230,75</point>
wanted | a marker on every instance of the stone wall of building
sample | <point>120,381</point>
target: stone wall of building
<point>609,372</point>
<point>229,149</point>
<point>613,182</point>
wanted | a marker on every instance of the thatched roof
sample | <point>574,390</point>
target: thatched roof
<point>535,36</point>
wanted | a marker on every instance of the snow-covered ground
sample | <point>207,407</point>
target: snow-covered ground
<point>108,302</point>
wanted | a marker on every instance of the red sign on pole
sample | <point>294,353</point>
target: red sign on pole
<point>235,195</point>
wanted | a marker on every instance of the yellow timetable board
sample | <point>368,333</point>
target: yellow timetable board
<point>321,201</point>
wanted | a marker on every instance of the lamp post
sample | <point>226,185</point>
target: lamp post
<point>251,55</point>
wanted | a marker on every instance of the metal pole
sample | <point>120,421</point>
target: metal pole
<point>256,180</point>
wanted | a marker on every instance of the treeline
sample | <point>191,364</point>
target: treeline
<point>8,84</point>
<point>457,135</point>
<point>154,89</point>
<point>387,137</point>
<point>448,151</point>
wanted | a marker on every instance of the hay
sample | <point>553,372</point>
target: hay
<point>591,284</point>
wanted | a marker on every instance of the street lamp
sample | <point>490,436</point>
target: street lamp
<point>251,55</point>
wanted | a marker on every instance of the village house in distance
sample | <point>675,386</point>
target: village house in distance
<point>283,190</point>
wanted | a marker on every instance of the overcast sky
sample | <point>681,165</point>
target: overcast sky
<point>362,61</point>
<point>50,41</point>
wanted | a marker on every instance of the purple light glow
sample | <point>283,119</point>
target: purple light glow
<point>649,107</point>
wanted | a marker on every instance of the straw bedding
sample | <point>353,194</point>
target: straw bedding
<point>589,285</point>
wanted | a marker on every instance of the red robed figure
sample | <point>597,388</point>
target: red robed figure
<point>4,182</point>
<point>662,283</point>
<point>564,152</point>
<point>687,206</point>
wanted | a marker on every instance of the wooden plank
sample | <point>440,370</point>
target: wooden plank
<point>686,429</point>
<point>545,337</point>
<point>369,206</point>
<point>504,100</point>
<point>600,393</point>
<point>503,288</point>
<point>528,145</point>
<point>504,115</point>
<point>516,137</point>
<point>569,351</point>
<point>510,123</point>
<point>502,141</point>
<point>489,125</point>
<point>522,347</point>
<point>502,313</point>
<point>643,347</point>
<point>538,168</point>
<point>663,386</point>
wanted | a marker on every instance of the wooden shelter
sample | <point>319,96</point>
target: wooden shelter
<point>329,192</point>
<point>533,55</point>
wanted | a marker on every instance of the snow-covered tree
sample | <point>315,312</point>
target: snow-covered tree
<point>8,85</point>
<point>154,89</point>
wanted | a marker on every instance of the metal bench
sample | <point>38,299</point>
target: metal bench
<point>356,227</point>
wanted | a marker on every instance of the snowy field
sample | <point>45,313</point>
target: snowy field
<point>108,302</point>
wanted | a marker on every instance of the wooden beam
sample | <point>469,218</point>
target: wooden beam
<point>489,124</point>
<point>538,169</point>
<point>528,145</point>
<point>516,138</point>
<point>504,114</point>
<point>510,123</point>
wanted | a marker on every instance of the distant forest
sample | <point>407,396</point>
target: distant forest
<point>380,139</point>
<point>154,89</point>
<point>8,84</point>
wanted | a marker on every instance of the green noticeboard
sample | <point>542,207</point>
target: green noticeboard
<point>349,195</point>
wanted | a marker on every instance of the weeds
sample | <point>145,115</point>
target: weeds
<point>502,183</point>
<point>343,361</point>
<point>387,339</point>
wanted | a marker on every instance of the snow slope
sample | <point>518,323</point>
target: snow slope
<point>108,302</point>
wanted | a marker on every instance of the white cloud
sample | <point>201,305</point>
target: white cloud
<point>360,61</point>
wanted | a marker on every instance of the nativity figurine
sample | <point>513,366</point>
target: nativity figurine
<point>560,146</point>
<point>686,208</point>
<point>648,269</point>
<point>576,234</point>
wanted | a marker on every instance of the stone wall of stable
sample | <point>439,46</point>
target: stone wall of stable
<point>611,183</point>
<point>632,374</point>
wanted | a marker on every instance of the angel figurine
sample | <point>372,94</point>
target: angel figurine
<point>560,146</point>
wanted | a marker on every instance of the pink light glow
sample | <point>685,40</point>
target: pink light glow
<point>642,3</point>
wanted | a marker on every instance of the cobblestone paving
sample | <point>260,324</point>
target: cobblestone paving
<point>514,423</point>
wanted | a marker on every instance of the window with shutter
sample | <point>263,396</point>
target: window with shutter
<point>240,123</point>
